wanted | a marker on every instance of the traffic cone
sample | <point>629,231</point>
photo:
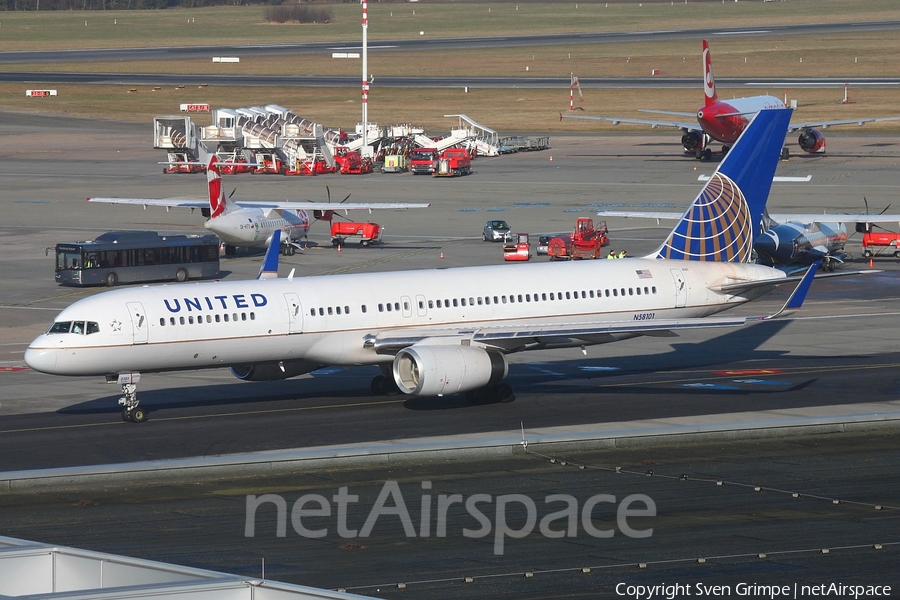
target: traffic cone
<point>871,262</point>
<point>339,247</point>
<point>442,256</point>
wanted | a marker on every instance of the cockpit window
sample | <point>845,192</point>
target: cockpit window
<point>60,327</point>
<point>79,327</point>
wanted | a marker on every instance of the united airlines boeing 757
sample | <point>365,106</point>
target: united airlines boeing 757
<point>438,331</point>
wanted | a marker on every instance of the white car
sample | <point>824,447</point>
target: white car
<point>497,231</point>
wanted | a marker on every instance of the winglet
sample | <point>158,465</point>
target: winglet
<point>799,294</point>
<point>269,268</point>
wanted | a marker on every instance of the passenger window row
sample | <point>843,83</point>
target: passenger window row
<point>331,310</point>
<point>489,300</point>
<point>217,318</point>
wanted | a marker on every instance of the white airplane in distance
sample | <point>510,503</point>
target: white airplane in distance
<point>724,120</point>
<point>251,224</point>
<point>438,332</point>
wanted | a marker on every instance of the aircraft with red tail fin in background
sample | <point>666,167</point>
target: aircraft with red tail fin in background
<point>251,224</point>
<point>724,121</point>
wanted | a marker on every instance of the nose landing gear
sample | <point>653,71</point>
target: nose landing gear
<point>130,411</point>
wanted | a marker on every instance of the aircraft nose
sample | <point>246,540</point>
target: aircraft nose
<point>41,359</point>
<point>767,244</point>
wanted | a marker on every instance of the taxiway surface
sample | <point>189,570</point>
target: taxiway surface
<point>840,350</point>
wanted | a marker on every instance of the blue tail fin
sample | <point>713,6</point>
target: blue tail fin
<point>269,268</point>
<point>724,219</point>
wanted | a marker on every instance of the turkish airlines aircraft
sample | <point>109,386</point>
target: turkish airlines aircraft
<point>251,224</point>
<point>438,331</point>
<point>723,121</point>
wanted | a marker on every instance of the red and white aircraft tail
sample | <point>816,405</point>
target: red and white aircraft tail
<point>218,203</point>
<point>709,80</point>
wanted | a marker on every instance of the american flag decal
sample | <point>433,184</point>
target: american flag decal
<point>644,274</point>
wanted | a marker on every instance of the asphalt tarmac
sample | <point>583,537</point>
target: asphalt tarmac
<point>839,350</point>
<point>703,533</point>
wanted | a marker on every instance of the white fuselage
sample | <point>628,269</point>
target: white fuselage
<point>335,320</point>
<point>253,227</point>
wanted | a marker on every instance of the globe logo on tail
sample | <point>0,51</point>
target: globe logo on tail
<point>717,227</point>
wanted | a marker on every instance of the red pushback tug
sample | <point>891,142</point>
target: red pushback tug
<point>520,250</point>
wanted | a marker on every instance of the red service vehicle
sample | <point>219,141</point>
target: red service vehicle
<point>874,241</point>
<point>520,250</point>
<point>422,160</point>
<point>351,162</point>
<point>453,162</point>
<point>367,233</point>
<point>585,241</point>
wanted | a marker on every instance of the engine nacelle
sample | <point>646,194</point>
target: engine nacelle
<point>811,140</point>
<point>284,369</point>
<point>692,141</point>
<point>445,370</point>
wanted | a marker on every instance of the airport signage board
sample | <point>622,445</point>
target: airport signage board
<point>195,108</point>
<point>39,93</point>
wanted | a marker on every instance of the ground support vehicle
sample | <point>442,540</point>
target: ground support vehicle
<point>875,242</point>
<point>520,250</point>
<point>421,161</point>
<point>585,242</point>
<point>453,162</point>
<point>367,233</point>
<point>395,163</point>
<point>135,257</point>
<point>351,162</point>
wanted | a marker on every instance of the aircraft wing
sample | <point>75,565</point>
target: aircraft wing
<point>834,218</point>
<point>826,124</point>
<point>671,113</point>
<point>516,337</point>
<point>631,214</point>
<point>777,217</point>
<point>288,205</point>
<point>168,203</point>
<point>654,123</point>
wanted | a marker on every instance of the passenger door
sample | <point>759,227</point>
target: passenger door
<point>295,313</point>
<point>139,326</point>
<point>680,288</point>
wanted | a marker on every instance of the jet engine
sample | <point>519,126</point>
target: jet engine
<point>274,371</point>
<point>692,141</point>
<point>445,370</point>
<point>811,140</point>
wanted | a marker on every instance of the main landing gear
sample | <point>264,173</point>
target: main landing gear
<point>383,385</point>
<point>130,410</point>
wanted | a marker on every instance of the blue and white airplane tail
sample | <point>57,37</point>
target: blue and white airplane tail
<point>269,268</point>
<point>724,219</point>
